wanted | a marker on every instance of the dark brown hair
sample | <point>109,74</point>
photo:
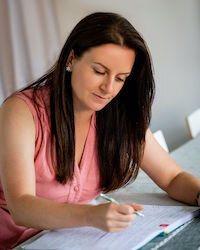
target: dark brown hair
<point>122,124</point>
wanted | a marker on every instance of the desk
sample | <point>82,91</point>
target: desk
<point>144,191</point>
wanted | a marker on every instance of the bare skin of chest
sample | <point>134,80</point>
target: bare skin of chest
<point>81,133</point>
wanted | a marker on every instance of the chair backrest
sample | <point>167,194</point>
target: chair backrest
<point>161,139</point>
<point>193,123</point>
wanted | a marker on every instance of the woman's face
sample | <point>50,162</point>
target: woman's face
<point>99,74</point>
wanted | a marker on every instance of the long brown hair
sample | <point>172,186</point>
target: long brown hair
<point>122,124</point>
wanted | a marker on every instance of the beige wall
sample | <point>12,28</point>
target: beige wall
<point>171,30</point>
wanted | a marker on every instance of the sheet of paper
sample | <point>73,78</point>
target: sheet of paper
<point>156,220</point>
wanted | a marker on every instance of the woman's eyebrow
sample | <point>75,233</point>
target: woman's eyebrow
<point>127,73</point>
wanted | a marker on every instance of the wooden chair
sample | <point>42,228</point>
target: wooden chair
<point>161,139</point>
<point>193,123</point>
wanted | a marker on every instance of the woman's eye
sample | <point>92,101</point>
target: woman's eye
<point>120,80</point>
<point>98,72</point>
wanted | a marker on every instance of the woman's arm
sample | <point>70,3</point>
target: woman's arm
<point>17,146</point>
<point>167,174</point>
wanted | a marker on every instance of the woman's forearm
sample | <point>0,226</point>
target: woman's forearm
<point>184,187</point>
<point>35,212</point>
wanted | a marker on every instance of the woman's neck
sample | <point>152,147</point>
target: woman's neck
<point>82,117</point>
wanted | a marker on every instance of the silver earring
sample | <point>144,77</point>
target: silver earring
<point>68,68</point>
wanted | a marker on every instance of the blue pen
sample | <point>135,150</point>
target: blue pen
<point>104,196</point>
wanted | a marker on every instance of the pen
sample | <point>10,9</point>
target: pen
<point>106,197</point>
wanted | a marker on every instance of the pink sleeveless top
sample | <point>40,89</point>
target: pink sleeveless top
<point>83,188</point>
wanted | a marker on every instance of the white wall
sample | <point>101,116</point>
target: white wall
<point>172,32</point>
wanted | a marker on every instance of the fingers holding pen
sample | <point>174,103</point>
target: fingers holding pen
<point>129,208</point>
<point>111,217</point>
<point>124,213</point>
<point>136,207</point>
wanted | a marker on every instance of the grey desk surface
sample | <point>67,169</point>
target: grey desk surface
<point>144,191</point>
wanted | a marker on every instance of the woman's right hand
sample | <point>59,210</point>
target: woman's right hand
<point>111,217</point>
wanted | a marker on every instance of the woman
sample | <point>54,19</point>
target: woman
<point>82,129</point>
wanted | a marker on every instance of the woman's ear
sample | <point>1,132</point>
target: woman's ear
<point>70,58</point>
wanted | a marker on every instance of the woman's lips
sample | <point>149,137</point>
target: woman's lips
<point>100,98</point>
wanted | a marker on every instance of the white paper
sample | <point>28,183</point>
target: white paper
<point>141,231</point>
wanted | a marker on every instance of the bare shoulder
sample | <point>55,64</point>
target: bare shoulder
<point>15,114</point>
<point>15,106</point>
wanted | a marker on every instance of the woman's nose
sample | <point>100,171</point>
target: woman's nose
<point>107,85</point>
